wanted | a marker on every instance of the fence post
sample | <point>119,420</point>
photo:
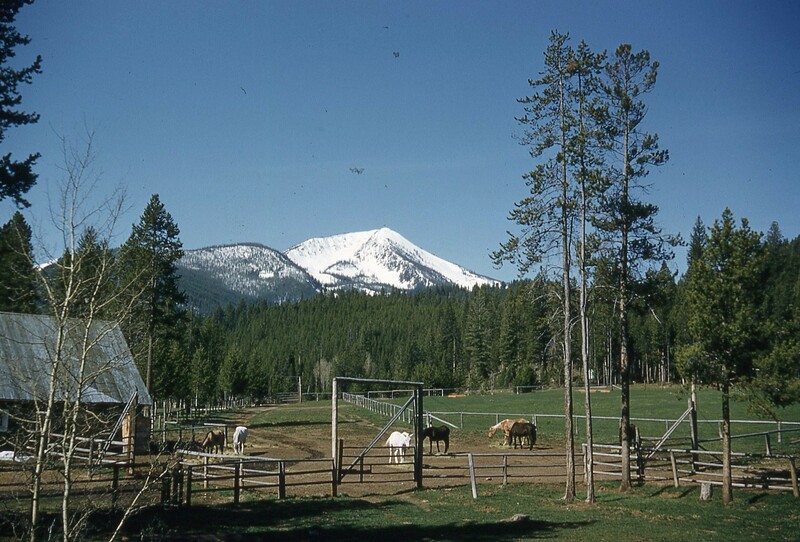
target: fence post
<point>281,480</point>
<point>639,462</point>
<point>177,479</point>
<point>780,433</point>
<point>674,468</point>
<point>585,463</point>
<point>472,476</point>
<point>165,490</point>
<point>189,486</point>
<point>768,446</point>
<point>339,456</point>
<point>793,472</point>
<point>237,472</point>
<point>205,472</point>
<point>505,469</point>
<point>115,486</point>
<point>333,478</point>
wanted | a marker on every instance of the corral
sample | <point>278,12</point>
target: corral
<point>289,455</point>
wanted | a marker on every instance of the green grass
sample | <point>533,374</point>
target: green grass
<point>650,512</point>
<point>651,402</point>
<point>645,514</point>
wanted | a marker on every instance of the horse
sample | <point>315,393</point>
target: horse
<point>215,440</point>
<point>239,438</point>
<point>520,430</point>
<point>437,434</point>
<point>505,426</point>
<point>397,443</point>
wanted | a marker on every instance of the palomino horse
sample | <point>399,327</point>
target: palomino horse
<point>505,427</point>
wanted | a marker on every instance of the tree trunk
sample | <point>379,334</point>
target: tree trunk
<point>569,434</point>
<point>587,385</point>
<point>727,479</point>
<point>624,362</point>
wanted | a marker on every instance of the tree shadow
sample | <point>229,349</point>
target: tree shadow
<point>685,492</point>
<point>315,519</point>
<point>264,425</point>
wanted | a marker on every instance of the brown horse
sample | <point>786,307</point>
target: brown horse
<point>523,430</point>
<point>215,440</point>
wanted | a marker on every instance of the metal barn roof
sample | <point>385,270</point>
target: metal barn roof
<point>28,361</point>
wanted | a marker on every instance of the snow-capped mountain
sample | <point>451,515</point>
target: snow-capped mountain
<point>370,261</point>
<point>378,259</point>
<point>217,275</point>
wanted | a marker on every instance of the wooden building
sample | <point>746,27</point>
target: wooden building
<point>73,361</point>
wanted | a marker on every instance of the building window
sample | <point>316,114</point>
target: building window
<point>3,421</point>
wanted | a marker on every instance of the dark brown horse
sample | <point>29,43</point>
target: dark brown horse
<point>436,434</point>
<point>520,430</point>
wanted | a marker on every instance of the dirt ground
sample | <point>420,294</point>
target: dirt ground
<point>375,475</point>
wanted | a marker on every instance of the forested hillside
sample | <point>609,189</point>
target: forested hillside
<point>490,337</point>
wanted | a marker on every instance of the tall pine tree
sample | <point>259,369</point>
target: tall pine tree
<point>723,293</point>
<point>547,215</point>
<point>149,258</point>
<point>17,272</point>
<point>16,177</point>
<point>628,222</point>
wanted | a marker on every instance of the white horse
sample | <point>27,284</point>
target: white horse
<point>239,438</point>
<point>397,443</point>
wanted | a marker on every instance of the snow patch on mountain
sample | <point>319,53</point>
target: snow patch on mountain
<point>376,259</point>
<point>248,269</point>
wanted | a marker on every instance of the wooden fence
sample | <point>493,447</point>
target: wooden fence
<point>207,473</point>
<point>685,466</point>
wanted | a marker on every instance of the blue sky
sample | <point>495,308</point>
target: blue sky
<point>247,117</point>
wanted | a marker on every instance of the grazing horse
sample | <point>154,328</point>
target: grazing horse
<point>520,430</point>
<point>505,427</point>
<point>437,434</point>
<point>215,440</point>
<point>397,443</point>
<point>239,438</point>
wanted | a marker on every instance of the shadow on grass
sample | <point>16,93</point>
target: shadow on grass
<point>294,423</point>
<point>679,493</point>
<point>323,519</point>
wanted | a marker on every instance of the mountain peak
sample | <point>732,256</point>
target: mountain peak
<point>370,261</point>
<point>377,259</point>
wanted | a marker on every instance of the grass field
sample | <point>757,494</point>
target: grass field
<point>647,402</point>
<point>645,514</point>
<point>650,512</point>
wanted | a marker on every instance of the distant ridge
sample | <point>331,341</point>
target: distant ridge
<point>370,261</point>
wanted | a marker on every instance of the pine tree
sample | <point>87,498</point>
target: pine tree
<point>548,214</point>
<point>628,222</point>
<point>16,177</point>
<point>586,158</point>
<point>17,272</point>
<point>149,259</point>
<point>723,295</point>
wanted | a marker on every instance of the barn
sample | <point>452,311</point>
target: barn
<point>109,385</point>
